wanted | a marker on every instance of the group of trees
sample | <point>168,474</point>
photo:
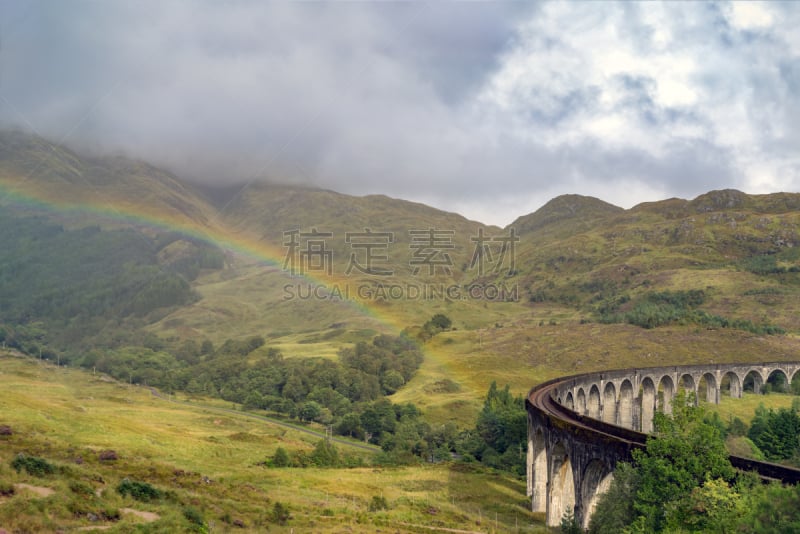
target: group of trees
<point>777,433</point>
<point>780,263</point>
<point>496,441</point>
<point>325,454</point>
<point>502,428</point>
<point>63,291</point>
<point>83,296</point>
<point>660,308</point>
<point>348,394</point>
<point>438,323</point>
<point>683,482</point>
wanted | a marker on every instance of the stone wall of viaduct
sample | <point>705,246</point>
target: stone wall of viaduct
<point>579,427</point>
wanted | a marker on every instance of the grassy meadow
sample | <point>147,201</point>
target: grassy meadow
<point>208,460</point>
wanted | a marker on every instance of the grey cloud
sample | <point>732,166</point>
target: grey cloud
<point>376,98</point>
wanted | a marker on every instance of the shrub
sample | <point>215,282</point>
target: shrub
<point>280,458</point>
<point>737,427</point>
<point>194,517</point>
<point>108,456</point>
<point>569,524</point>
<point>81,488</point>
<point>141,491</point>
<point>325,454</point>
<point>5,430</point>
<point>378,503</point>
<point>441,321</point>
<point>37,467</point>
<point>280,513</point>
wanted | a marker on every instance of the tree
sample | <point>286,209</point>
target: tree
<point>378,417</point>
<point>614,509</point>
<point>682,453</point>
<point>772,508</point>
<point>253,401</point>
<point>294,388</point>
<point>350,425</point>
<point>713,507</point>
<point>254,342</point>
<point>502,422</point>
<point>325,454</point>
<point>280,458</point>
<point>310,411</point>
<point>776,433</point>
<point>441,321</point>
<point>569,524</point>
<point>392,381</point>
<point>207,348</point>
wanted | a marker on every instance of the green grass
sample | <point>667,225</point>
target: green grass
<point>745,408</point>
<point>208,460</point>
<point>522,354</point>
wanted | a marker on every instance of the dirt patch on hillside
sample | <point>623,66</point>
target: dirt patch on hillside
<point>147,516</point>
<point>38,490</point>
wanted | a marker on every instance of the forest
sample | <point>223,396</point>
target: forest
<point>64,291</point>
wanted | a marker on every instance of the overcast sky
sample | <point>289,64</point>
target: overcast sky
<point>488,109</point>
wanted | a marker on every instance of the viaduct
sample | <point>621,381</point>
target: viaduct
<point>580,426</point>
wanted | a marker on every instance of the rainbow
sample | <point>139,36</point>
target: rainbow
<point>137,215</point>
<point>258,250</point>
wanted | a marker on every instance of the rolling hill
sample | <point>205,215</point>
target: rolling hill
<point>578,259</point>
<point>117,265</point>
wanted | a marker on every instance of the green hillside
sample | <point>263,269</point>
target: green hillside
<point>117,185</point>
<point>207,467</point>
<point>120,267</point>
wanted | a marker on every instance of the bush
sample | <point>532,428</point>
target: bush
<point>108,456</point>
<point>378,503</point>
<point>280,513</point>
<point>5,430</point>
<point>280,458</point>
<point>141,491</point>
<point>325,454</point>
<point>194,517</point>
<point>737,427</point>
<point>441,321</point>
<point>81,488</point>
<point>569,524</point>
<point>37,467</point>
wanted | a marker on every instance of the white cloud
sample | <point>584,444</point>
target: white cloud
<point>749,15</point>
<point>652,80</point>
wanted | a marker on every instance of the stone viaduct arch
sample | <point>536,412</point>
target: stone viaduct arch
<point>580,427</point>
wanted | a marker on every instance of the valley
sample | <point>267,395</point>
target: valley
<point>117,276</point>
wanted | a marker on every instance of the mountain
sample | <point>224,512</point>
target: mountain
<point>265,212</point>
<point>574,251</point>
<point>212,267</point>
<point>568,214</point>
<point>53,173</point>
<point>118,266</point>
